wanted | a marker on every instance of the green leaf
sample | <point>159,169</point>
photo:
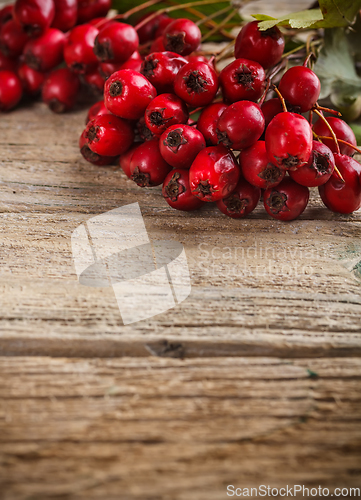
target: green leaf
<point>301,19</point>
<point>338,13</point>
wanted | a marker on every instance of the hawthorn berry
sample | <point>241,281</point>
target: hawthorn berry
<point>46,51</point>
<point>163,111</point>
<point>78,50</point>
<point>287,200</point>
<point>160,68</point>
<point>125,158</point>
<point>10,90</point>
<point>109,135</point>
<point>342,131</point>
<point>271,108</point>
<point>7,63</point>
<point>196,83</point>
<point>116,42</point>
<point>182,36</point>
<point>66,13</point>
<point>300,87</point>
<point>242,79</point>
<point>94,81</point>
<point>12,39</point>
<point>91,157</point>
<point>180,144</point>
<point>241,202</point>
<point>208,120</point>
<point>177,192</point>
<point>257,169</point>
<point>147,166</point>
<point>318,169</point>
<point>6,13</point>
<point>147,32</point>
<point>31,80</point>
<point>60,90</point>
<point>34,16</point>
<point>96,109</point>
<point>90,9</point>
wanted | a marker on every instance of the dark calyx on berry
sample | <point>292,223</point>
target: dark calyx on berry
<point>32,30</point>
<point>33,61</point>
<point>235,205</point>
<point>176,43</point>
<point>277,202</point>
<point>270,174</point>
<point>205,189</point>
<point>156,118</point>
<point>195,83</point>
<point>140,178</point>
<point>290,161</point>
<point>89,155</point>
<point>149,66</point>
<point>92,134</point>
<point>321,163</point>
<point>56,106</point>
<point>271,32</point>
<point>293,108</point>
<point>103,51</point>
<point>175,139</point>
<point>223,138</point>
<point>173,189</point>
<point>244,76</point>
<point>116,89</point>
<point>78,67</point>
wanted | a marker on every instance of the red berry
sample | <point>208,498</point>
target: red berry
<point>182,36</point>
<point>287,200</point>
<point>143,131</point>
<point>107,69</point>
<point>98,108</point>
<point>165,110</point>
<point>34,16</point>
<point>240,125</point>
<point>12,39</point>
<point>300,87</point>
<point>133,63</point>
<point>147,32</point>
<point>90,9</point>
<point>7,63</point>
<point>214,173</point>
<point>109,135</point>
<point>318,169</point>
<point>10,90</point>
<point>46,51</point>
<point>147,166</point>
<point>177,192</point>
<point>342,131</point>
<point>241,202</point>
<point>196,83</point>
<point>6,14</point>
<point>94,81</point>
<point>208,121</point>
<point>160,68</point>
<point>289,140</point>
<point>127,93</point>
<point>92,157</point>
<point>270,109</point>
<point>265,47</point>
<point>66,13</point>
<point>157,45</point>
<point>78,50</point>
<point>180,144</point>
<point>343,197</point>
<point>116,42</point>
<point>31,80</point>
<point>125,159</point>
<point>60,90</point>
<point>242,79</point>
<point>257,169</point>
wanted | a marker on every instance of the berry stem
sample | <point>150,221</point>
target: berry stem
<point>329,128</point>
<point>280,98</point>
<point>263,97</point>
<point>223,52</point>
<point>219,26</point>
<point>212,16</point>
<point>129,12</point>
<point>323,137</point>
<point>327,110</point>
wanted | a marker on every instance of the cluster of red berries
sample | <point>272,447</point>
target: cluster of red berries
<point>241,147</point>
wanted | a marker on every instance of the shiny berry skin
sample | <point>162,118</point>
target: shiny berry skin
<point>109,135</point>
<point>96,109</point>
<point>12,39</point>
<point>125,159</point>
<point>78,50</point>
<point>208,120</point>
<point>242,79</point>
<point>66,13</point>
<point>180,144</point>
<point>160,68</point>
<point>177,192</point>
<point>288,140</point>
<point>342,131</point>
<point>60,90</point>
<point>107,69</point>
<point>147,166</point>
<point>7,63</point>
<point>318,169</point>
<point>265,47</point>
<point>46,51</point>
<point>6,14</point>
<point>127,93</point>
<point>132,63</point>
<point>182,36</point>
<point>147,32</point>
<point>257,169</point>
<point>240,125</point>
<point>92,157</point>
<point>343,197</point>
<point>116,42</point>
<point>90,9</point>
<point>287,200</point>
<point>271,108</point>
<point>241,202</point>
<point>300,87</point>
<point>31,80</point>
<point>165,110</point>
<point>10,90</point>
<point>196,83</point>
<point>214,174</point>
<point>34,16</point>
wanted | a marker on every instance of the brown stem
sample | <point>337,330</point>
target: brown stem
<point>329,128</point>
<point>212,16</point>
<point>280,98</point>
<point>219,26</point>
<point>342,142</point>
<point>327,110</point>
<point>224,50</point>
<point>261,101</point>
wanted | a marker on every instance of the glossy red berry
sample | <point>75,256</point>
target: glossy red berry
<point>60,90</point>
<point>147,32</point>
<point>96,109</point>
<point>318,169</point>
<point>177,192</point>
<point>180,144</point>
<point>161,68</point>
<point>182,36</point>
<point>134,62</point>
<point>34,16</point>
<point>265,47</point>
<point>196,83</point>
<point>6,14</point>
<point>343,197</point>
<point>241,202</point>
<point>107,69</point>
<point>92,157</point>
<point>165,110</point>
<point>157,45</point>
<point>109,135</point>
<point>127,93</point>
<point>90,9</point>
<point>31,80</point>
<point>271,108</point>
<point>342,131</point>
<point>257,169</point>
<point>46,51</point>
<point>214,173</point>
<point>78,50</point>
<point>143,131</point>
<point>208,121</point>
<point>125,159</point>
<point>66,13</point>
<point>240,125</point>
<point>287,200</point>
<point>289,140</point>
<point>12,39</point>
<point>94,81</point>
<point>147,166</point>
<point>242,79</point>
<point>10,90</point>
<point>7,63</point>
<point>300,87</point>
<point>116,42</point>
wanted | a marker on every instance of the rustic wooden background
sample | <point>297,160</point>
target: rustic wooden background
<point>254,379</point>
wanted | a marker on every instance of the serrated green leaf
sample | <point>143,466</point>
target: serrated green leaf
<point>263,17</point>
<point>301,19</point>
<point>338,13</point>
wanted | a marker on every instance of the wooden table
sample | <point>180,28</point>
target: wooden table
<point>253,380</point>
